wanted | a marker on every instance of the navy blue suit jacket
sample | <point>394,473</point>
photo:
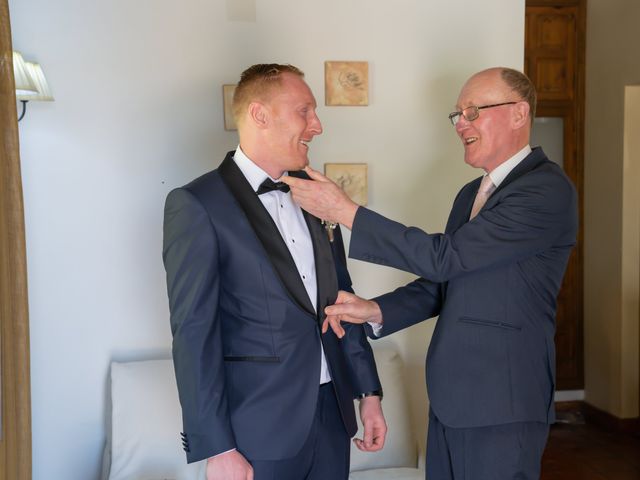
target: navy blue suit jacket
<point>246,338</point>
<point>493,281</point>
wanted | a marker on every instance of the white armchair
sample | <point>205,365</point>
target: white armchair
<point>144,421</point>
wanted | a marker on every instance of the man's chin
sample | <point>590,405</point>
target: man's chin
<point>301,164</point>
<point>468,159</point>
<point>472,161</point>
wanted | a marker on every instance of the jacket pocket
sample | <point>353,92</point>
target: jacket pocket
<point>489,323</point>
<point>251,358</point>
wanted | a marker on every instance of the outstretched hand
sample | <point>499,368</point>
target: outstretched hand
<point>322,198</point>
<point>352,309</point>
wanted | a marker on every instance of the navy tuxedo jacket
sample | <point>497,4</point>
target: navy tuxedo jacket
<point>246,338</point>
<point>493,281</point>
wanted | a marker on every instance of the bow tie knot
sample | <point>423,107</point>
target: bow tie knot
<point>269,186</point>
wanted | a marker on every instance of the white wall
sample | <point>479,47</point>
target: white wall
<point>138,111</point>
<point>611,176</point>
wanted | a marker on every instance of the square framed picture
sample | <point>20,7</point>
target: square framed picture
<point>351,177</point>
<point>346,83</point>
<point>227,101</point>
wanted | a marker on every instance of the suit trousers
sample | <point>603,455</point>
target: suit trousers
<point>325,453</point>
<point>512,451</point>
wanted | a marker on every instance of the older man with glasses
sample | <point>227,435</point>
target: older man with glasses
<point>492,277</point>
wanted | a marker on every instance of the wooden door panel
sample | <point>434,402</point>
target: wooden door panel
<point>553,79</point>
<point>554,60</point>
<point>552,51</point>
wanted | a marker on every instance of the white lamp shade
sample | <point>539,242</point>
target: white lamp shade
<point>24,83</point>
<point>42,92</point>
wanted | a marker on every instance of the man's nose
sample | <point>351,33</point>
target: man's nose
<point>461,124</point>
<point>315,126</point>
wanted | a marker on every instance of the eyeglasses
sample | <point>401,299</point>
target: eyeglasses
<point>473,112</point>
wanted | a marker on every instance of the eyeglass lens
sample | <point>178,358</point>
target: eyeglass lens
<point>469,113</point>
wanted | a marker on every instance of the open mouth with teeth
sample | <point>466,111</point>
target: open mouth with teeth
<point>470,140</point>
<point>305,143</point>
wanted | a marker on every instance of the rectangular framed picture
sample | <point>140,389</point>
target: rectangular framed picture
<point>346,83</point>
<point>351,177</point>
<point>227,100</point>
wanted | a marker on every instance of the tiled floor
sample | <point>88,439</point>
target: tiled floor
<point>585,452</point>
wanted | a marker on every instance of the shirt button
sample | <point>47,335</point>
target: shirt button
<point>293,240</point>
<point>304,277</point>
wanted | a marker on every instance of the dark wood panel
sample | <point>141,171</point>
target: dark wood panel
<point>551,51</point>
<point>554,60</point>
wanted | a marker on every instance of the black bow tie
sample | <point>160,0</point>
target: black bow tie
<point>269,186</point>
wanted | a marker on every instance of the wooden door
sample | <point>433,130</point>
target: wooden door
<point>554,60</point>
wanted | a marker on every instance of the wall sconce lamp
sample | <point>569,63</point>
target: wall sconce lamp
<point>31,83</point>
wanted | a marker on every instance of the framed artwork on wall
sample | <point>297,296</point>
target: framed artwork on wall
<point>351,177</point>
<point>227,101</point>
<point>346,83</point>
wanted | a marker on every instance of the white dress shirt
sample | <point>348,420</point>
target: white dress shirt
<point>501,171</point>
<point>294,231</point>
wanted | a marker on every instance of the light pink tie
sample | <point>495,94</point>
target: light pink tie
<point>484,192</point>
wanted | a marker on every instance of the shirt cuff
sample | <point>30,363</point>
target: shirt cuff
<point>374,393</point>
<point>222,453</point>
<point>376,327</point>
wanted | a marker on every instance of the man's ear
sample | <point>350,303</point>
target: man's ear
<point>258,114</point>
<point>520,115</point>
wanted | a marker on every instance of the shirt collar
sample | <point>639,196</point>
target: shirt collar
<point>252,172</point>
<point>501,171</point>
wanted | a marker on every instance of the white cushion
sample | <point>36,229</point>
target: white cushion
<point>144,441</point>
<point>400,449</point>
<point>146,423</point>
<point>388,474</point>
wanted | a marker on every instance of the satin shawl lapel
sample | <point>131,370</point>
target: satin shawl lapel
<point>327,279</point>
<point>266,231</point>
<point>323,255</point>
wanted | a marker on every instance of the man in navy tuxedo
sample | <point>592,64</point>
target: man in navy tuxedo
<point>492,277</point>
<point>264,395</point>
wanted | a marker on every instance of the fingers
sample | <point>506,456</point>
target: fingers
<point>315,174</point>
<point>378,438</point>
<point>346,313</point>
<point>348,308</point>
<point>367,438</point>
<point>372,440</point>
<point>360,444</point>
<point>295,182</point>
<point>377,444</point>
<point>345,297</point>
<point>353,309</point>
<point>334,323</point>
